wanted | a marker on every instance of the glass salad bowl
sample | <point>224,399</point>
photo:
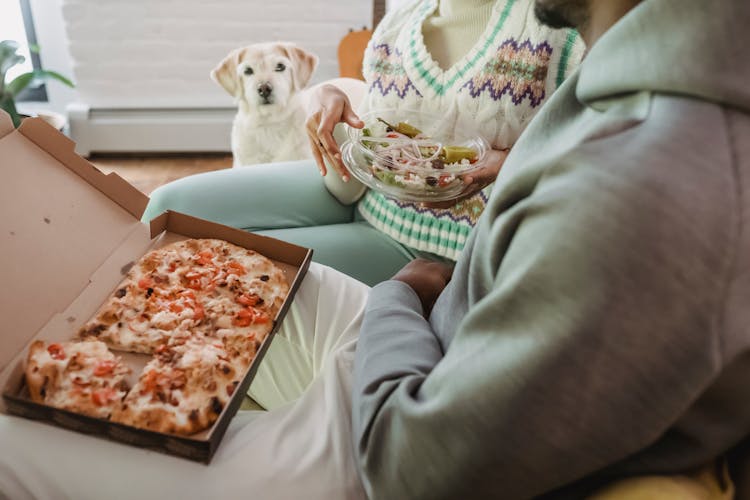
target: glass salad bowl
<point>413,156</point>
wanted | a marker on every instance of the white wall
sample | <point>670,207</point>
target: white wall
<point>158,53</point>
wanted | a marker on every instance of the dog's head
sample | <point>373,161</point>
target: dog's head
<point>265,76</point>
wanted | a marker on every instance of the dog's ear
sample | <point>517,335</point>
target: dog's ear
<point>225,74</point>
<point>304,64</point>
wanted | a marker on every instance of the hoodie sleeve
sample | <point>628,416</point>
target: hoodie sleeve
<point>587,336</point>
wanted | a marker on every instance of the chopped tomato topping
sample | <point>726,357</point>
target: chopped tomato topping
<point>145,283</point>
<point>248,300</point>
<point>149,382</point>
<point>205,257</point>
<point>160,349</point>
<point>56,351</point>
<point>242,321</point>
<point>198,312</point>
<point>236,268</point>
<point>444,180</point>
<point>175,307</point>
<point>103,396</point>
<point>261,318</point>
<point>243,318</point>
<point>392,136</point>
<point>105,367</point>
<point>249,316</point>
<point>172,266</point>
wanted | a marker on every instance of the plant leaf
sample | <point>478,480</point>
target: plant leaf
<point>9,61</point>
<point>55,76</point>
<point>38,75</point>
<point>19,83</point>
<point>8,47</point>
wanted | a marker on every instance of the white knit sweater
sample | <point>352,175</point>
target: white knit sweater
<point>496,88</point>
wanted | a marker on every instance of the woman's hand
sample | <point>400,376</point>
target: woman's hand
<point>476,181</point>
<point>328,106</point>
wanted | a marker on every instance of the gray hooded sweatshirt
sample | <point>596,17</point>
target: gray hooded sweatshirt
<point>597,324</point>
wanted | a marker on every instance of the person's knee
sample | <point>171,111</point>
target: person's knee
<point>159,202</point>
<point>163,198</point>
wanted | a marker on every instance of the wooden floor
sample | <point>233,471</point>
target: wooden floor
<point>147,172</point>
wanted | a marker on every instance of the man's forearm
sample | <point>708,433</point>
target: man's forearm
<point>395,342</point>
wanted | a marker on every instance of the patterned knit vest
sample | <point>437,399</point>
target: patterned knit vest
<point>498,86</point>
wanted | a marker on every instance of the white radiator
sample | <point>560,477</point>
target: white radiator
<point>142,66</point>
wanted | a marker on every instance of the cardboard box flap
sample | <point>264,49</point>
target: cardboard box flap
<point>63,149</point>
<point>61,219</point>
<point>6,124</point>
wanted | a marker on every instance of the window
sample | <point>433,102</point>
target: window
<point>16,24</point>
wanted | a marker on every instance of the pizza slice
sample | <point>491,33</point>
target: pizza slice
<point>84,377</point>
<point>183,389</point>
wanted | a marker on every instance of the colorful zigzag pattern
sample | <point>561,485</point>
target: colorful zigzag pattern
<point>518,69</point>
<point>388,69</point>
<point>467,211</point>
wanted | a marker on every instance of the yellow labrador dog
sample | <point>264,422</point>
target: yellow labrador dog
<point>267,80</point>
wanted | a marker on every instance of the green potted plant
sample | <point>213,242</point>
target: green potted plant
<point>10,57</point>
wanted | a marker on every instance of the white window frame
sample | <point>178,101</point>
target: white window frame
<point>53,44</point>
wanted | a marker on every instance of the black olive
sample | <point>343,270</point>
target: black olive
<point>431,181</point>
<point>438,164</point>
<point>265,277</point>
<point>121,293</point>
<point>149,292</point>
<point>193,415</point>
<point>95,330</point>
<point>216,405</point>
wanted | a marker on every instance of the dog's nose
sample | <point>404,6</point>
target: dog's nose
<point>264,89</point>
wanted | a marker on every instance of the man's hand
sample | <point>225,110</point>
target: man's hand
<point>476,181</point>
<point>427,278</point>
<point>328,106</point>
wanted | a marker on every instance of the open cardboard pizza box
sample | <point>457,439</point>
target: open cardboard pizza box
<point>68,235</point>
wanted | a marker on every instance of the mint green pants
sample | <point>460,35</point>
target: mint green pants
<point>287,201</point>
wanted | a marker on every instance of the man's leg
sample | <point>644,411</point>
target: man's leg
<point>323,321</point>
<point>301,449</point>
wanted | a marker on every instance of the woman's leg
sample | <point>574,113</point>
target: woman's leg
<point>356,249</point>
<point>270,196</point>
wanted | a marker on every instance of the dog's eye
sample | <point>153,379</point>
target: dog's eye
<point>248,71</point>
<point>280,67</point>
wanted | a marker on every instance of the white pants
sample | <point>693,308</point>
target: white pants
<point>301,448</point>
